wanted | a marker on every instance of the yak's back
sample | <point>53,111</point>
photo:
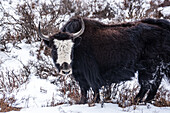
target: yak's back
<point>165,24</point>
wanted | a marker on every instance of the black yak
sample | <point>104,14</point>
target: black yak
<point>98,55</point>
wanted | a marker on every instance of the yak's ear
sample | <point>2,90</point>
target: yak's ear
<point>77,41</point>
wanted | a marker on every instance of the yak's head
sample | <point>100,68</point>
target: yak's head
<point>61,45</point>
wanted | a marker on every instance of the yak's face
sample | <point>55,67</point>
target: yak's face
<point>62,51</point>
<point>61,54</point>
<point>62,44</point>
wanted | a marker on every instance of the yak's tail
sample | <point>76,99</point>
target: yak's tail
<point>165,24</point>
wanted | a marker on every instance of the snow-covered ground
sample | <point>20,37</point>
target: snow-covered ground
<point>35,92</point>
<point>108,108</point>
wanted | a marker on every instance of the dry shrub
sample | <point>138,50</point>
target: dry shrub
<point>11,80</point>
<point>70,89</point>
<point>6,105</point>
<point>162,98</point>
<point>126,96</point>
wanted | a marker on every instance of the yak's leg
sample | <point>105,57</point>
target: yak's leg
<point>143,79</point>
<point>84,87</point>
<point>108,93</point>
<point>149,78</point>
<point>141,94</point>
<point>84,98</point>
<point>105,93</point>
<point>154,86</point>
<point>96,96</point>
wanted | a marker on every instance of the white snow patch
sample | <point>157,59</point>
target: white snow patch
<point>17,56</point>
<point>165,10</point>
<point>165,83</point>
<point>37,92</point>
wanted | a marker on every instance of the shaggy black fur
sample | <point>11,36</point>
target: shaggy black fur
<point>113,53</point>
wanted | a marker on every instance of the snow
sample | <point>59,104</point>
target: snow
<point>165,11</point>
<point>37,93</point>
<point>108,108</point>
<point>17,56</point>
<point>165,83</point>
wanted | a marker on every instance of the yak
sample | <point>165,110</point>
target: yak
<point>98,54</point>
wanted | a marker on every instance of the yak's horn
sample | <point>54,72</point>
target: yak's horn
<point>44,37</point>
<point>75,35</point>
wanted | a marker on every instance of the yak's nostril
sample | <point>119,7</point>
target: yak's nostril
<point>65,68</point>
<point>66,72</point>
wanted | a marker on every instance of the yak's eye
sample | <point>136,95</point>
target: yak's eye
<point>57,66</point>
<point>54,54</point>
